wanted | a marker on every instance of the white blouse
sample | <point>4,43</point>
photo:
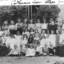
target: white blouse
<point>18,39</point>
<point>36,38</point>
<point>11,42</point>
<point>63,26</point>
<point>52,39</point>
<point>38,25</point>
<point>12,27</point>
<point>1,32</point>
<point>24,41</point>
<point>31,26</point>
<point>61,39</point>
<point>19,24</point>
<point>30,52</point>
<point>14,52</point>
<point>44,26</point>
<point>3,40</point>
<point>39,49</point>
<point>42,42</point>
<point>27,33</point>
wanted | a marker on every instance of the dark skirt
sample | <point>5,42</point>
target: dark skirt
<point>12,31</point>
<point>14,55</point>
<point>4,50</point>
<point>57,53</point>
<point>51,51</point>
<point>61,52</point>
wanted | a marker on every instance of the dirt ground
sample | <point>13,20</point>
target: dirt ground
<point>29,60</point>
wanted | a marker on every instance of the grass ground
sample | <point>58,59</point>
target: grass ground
<point>29,60</point>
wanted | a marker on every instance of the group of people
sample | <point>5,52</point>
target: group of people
<point>32,38</point>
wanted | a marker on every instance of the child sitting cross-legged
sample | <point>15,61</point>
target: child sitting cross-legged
<point>45,50</point>
<point>51,50</point>
<point>30,51</point>
<point>37,48</point>
<point>14,52</point>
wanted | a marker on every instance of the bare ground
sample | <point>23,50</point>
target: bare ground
<point>29,60</point>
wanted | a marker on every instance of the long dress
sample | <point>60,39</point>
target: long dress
<point>5,29</point>
<point>12,29</point>
<point>23,44</point>
<point>57,44</point>
<point>44,26</point>
<point>42,42</point>
<point>31,26</point>
<point>52,27</point>
<point>18,39</point>
<point>30,52</point>
<point>38,27</point>
<point>10,42</point>
<point>52,38</point>
<point>61,53</point>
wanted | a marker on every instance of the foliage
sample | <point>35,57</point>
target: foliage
<point>48,11</point>
<point>12,12</point>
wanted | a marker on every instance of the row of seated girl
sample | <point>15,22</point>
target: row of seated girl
<point>13,27</point>
<point>30,44</point>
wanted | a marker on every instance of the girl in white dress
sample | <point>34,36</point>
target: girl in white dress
<point>26,32</point>
<point>11,41</point>
<point>43,41</point>
<point>43,33</point>
<point>38,26</point>
<point>32,32</point>
<point>52,38</point>
<point>5,27</point>
<point>38,48</point>
<point>14,52</point>
<point>19,22</point>
<point>52,44</point>
<point>6,39</point>
<point>3,38</point>
<point>18,38</point>
<point>44,25</point>
<point>30,51</point>
<point>24,42</point>
<point>36,35</point>
<point>31,25</point>
<point>12,27</point>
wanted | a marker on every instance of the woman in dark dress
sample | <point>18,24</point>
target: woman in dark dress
<point>30,39</point>
<point>61,52</point>
<point>52,26</point>
<point>57,42</point>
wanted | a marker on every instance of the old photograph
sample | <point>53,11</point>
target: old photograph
<point>32,34</point>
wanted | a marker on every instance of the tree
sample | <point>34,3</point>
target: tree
<point>12,12</point>
<point>48,11</point>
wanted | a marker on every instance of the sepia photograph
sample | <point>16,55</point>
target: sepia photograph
<point>32,34</point>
